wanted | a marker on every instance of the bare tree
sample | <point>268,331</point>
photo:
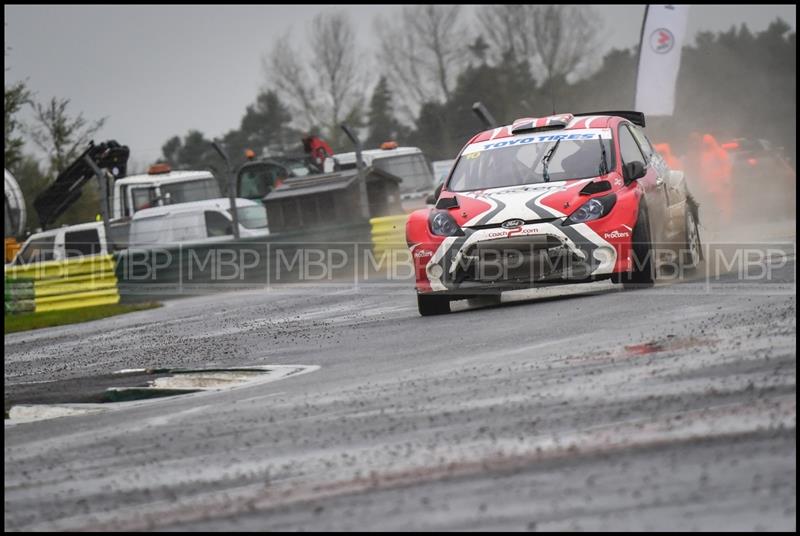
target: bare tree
<point>421,53</point>
<point>507,30</point>
<point>286,73</point>
<point>558,41</point>
<point>325,87</point>
<point>337,71</point>
<point>564,39</point>
<point>60,136</point>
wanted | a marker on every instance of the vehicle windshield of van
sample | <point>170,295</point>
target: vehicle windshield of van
<point>533,158</point>
<point>252,217</point>
<point>37,250</point>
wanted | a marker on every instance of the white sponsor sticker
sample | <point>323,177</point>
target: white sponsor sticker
<point>617,234</point>
<point>582,134</point>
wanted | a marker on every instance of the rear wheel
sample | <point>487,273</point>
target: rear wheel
<point>432,304</point>
<point>691,254</point>
<point>643,274</point>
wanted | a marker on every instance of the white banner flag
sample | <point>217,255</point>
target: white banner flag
<point>660,58</point>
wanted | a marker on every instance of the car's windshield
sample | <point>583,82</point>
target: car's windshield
<point>518,160</point>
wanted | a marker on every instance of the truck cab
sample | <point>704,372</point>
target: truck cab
<point>161,186</point>
<point>257,178</point>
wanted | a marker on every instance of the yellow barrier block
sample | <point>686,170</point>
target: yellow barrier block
<point>80,278</point>
<point>389,231</point>
<point>77,299</point>
<point>88,302</point>
<point>389,220</point>
<point>70,286</point>
<point>389,238</point>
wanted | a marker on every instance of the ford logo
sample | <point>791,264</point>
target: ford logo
<point>511,224</point>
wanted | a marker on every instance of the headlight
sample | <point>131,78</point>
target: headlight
<point>593,209</point>
<point>443,224</point>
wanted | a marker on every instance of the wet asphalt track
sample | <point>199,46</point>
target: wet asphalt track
<point>570,408</point>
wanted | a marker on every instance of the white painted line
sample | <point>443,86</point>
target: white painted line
<point>198,379</point>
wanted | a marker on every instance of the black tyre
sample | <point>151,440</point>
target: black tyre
<point>691,252</point>
<point>432,305</point>
<point>643,274</point>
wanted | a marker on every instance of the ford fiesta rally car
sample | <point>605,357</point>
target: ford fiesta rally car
<point>553,200</point>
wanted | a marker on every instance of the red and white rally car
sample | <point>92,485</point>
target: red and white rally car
<point>552,200</point>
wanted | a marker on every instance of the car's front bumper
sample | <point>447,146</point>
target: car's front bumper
<point>534,254</point>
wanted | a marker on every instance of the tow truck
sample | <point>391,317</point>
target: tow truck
<point>127,195</point>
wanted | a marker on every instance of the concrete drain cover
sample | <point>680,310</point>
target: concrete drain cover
<point>98,394</point>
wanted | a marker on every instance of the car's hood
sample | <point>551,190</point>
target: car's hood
<point>531,202</point>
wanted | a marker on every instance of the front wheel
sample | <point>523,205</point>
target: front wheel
<point>643,274</point>
<point>432,305</point>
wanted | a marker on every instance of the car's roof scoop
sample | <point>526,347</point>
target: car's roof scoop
<point>538,124</point>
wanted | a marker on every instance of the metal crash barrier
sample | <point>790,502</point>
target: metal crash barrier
<point>58,285</point>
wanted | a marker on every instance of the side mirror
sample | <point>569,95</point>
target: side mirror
<point>633,171</point>
<point>431,199</point>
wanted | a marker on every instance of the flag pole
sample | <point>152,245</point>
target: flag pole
<point>639,55</point>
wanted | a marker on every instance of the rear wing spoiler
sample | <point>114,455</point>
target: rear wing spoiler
<point>637,118</point>
<point>66,189</point>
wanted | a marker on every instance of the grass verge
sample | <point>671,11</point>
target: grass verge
<point>27,321</point>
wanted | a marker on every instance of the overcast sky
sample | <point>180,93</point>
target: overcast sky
<point>157,71</point>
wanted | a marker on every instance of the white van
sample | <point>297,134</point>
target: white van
<point>63,243</point>
<point>198,221</point>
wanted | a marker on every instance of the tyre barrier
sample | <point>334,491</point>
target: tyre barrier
<point>59,285</point>
<point>19,295</point>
